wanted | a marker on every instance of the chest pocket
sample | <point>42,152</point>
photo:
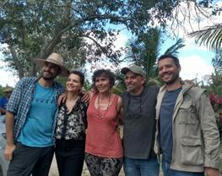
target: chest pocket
<point>187,113</point>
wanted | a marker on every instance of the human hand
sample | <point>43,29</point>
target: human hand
<point>9,149</point>
<point>86,97</point>
<point>211,172</point>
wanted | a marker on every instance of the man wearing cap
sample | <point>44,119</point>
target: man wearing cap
<point>139,124</point>
<point>4,99</point>
<point>30,120</point>
<point>187,133</point>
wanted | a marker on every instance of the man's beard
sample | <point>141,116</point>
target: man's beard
<point>47,78</point>
<point>130,88</point>
<point>174,79</point>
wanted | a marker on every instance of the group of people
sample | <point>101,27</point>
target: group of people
<point>175,122</point>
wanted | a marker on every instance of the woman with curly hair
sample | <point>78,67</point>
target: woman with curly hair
<point>104,151</point>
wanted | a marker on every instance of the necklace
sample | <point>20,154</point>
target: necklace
<point>101,112</point>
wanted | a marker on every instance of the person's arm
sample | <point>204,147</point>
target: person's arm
<point>2,102</point>
<point>85,97</point>
<point>11,110</point>
<point>120,109</point>
<point>10,145</point>
<point>211,171</point>
<point>210,136</point>
<point>2,111</point>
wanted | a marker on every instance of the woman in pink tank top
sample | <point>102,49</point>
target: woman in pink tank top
<point>104,150</point>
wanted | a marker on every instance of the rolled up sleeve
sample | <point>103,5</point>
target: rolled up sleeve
<point>15,98</point>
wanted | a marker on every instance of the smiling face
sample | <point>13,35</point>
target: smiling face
<point>50,71</point>
<point>134,82</point>
<point>102,84</point>
<point>168,70</point>
<point>73,83</point>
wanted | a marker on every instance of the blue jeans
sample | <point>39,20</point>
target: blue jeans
<point>141,167</point>
<point>170,172</point>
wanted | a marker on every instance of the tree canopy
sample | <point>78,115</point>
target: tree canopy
<point>78,29</point>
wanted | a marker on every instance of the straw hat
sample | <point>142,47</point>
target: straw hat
<point>56,59</point>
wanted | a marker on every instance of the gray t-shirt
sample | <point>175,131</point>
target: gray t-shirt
<point>139,123</point>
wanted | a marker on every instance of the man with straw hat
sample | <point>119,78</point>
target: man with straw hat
<point>30,119</point>
<point>4,99</point>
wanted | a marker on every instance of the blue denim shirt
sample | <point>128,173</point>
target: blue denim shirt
<point>21,98</point>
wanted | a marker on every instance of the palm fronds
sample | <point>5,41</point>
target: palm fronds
<point>174,49</point>
<point>211,36</point>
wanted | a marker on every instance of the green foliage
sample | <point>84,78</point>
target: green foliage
<point>144,51</point>
<point>120,86</point>
<point>61,80</point>
<point>215,82</point>
<point>1,91</point>
<point>217,61</point>
<point>87,85</point>
<point>214,88</point>
<point>173,50</point>
<point>79,30</point>
<point>211,36</point>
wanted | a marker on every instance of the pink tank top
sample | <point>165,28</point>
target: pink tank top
<point>102,138</point>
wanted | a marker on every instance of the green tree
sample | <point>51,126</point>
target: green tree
<point>214,86</point>
<point>144,51</point>
<point>217,61</point>
<point>1,91</point>
<point>78,29</point>
<point>211,36</point>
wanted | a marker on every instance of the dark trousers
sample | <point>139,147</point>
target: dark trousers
<point>30,160</point>
<point>70,157</point>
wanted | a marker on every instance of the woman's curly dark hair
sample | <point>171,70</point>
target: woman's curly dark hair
<point>106,73</point>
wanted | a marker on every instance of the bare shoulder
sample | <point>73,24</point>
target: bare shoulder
<point>120,101</point>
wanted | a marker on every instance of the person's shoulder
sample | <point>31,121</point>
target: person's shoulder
<point>124,94</point>
<point>196,92</point>
<point>116,97</point>
<point>152,89</point>
<point>26,81</point>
